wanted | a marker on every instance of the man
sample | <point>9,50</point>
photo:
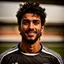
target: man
<point>31,20</point>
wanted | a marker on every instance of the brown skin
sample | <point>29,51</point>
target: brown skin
<point>31,30</point>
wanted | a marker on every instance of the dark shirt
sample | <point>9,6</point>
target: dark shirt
<point>16,56</point>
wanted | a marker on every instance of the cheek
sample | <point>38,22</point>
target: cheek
<point>38,28</point>
<point>39,31</point>
<point>24,27</point>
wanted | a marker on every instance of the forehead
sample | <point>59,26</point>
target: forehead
<point>28,15</point>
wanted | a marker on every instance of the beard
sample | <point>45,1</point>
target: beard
<point>31,41</point>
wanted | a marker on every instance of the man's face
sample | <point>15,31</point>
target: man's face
<point>31,27</point>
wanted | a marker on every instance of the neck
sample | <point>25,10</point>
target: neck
<point>30,48</point>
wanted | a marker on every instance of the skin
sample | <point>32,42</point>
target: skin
<point>31,30</point>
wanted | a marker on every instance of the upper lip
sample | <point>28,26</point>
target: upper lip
<point>31,32</point>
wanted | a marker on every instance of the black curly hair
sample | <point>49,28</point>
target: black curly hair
<point>31,8</point>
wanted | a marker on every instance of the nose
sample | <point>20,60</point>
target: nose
<point>31,26</point>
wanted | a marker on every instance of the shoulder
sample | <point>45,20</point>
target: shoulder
<point>9,51</point>
<point>53,53</point>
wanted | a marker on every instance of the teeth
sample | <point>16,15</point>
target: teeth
<point>30,33</point>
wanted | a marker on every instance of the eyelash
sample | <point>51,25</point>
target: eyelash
<point>25,22</point>
<point>34,22</point>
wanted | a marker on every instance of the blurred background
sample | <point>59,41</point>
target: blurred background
<point>53,36</point>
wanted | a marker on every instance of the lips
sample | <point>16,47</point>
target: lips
<point>31,34</point>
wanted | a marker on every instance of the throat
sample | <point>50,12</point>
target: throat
<point>33,48</point>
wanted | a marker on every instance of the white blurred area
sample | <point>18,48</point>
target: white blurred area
<point>54,12</point>
<point>55,15</point>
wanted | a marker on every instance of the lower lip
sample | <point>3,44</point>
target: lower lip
<point>30,34</point>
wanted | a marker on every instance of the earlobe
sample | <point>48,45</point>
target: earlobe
<point>42,29</point>
<point>19,28</point>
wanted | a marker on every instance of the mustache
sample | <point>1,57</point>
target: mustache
<point>31,31</point>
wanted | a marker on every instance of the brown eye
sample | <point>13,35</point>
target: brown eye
<point>36,22</point>
<point>25,22</point>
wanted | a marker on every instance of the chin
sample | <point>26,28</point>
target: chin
<point>31,41</point>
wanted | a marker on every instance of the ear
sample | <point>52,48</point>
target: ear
<point>42,29</point>
<point>19,28</point>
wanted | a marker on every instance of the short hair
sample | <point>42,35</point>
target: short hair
<point>30,7</point>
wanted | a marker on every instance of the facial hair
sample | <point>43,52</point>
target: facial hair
<point>38,34</point>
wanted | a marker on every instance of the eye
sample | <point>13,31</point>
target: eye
<point>25,22</point>
<point>36,22</point>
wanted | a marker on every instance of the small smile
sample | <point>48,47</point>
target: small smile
<point>31,34</point>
